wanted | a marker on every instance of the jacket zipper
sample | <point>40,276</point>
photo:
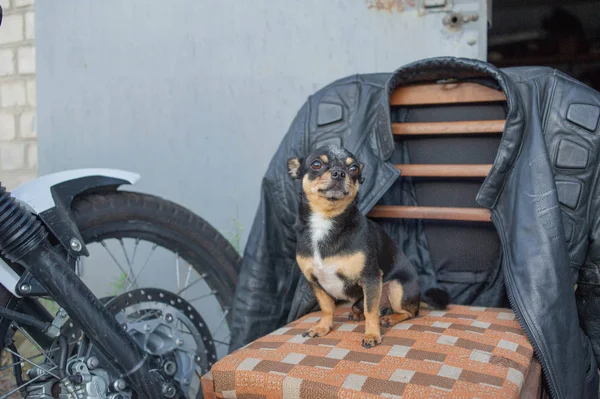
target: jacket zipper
<point>516,307</point>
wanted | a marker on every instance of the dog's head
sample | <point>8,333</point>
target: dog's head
<point>331,176</point>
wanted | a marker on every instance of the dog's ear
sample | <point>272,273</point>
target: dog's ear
<point>294,165</point>
<point>362,168</point>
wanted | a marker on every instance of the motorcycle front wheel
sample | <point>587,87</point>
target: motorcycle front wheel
<point>165,272</point>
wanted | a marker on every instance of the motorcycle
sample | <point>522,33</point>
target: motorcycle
<point>65,333</point>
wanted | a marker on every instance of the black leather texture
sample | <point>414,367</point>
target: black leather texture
<point>542,191</point>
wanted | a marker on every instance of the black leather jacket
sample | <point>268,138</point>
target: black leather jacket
<point>542,192</point>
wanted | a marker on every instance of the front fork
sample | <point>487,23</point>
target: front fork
<point>23,240</point>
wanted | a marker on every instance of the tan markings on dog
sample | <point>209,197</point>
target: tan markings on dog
<point>401,312</point>
<point>306,265</point>
<point>393,319</point>
<point>385,301</point>
<point>324,158</point>
<point>349,161</point>
<point>395,295</point>
<point>293,167</point>
<point>327,305</point>
<point>350,266</point>
<point>326,302</point>
<point>372,335</point>
<point>319,203</point>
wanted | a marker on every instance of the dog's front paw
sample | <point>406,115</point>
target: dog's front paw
<point>318,331</point>
<point>371,340</point>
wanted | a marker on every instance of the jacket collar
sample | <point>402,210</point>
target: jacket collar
<point>469,70</point>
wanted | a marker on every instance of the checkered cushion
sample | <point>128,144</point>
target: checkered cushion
<point>464,352</point>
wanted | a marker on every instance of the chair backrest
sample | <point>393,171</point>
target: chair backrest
<point>449,133</point>
<point>442,94</point>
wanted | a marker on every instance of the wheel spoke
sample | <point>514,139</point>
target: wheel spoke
<point>31,381</point>
<point>212,293</point>
<point>177,269</point>
<point>137,242</point>
<point>144,265</point>
<point>117,262</point>
<point>202,277</point>
<point>7,366</point>
<point>125,252</point>
<point>225,313</point>
<point>187,279</point>
<point>29,361</point>
<point>129,262</point>
<point>30,338</point>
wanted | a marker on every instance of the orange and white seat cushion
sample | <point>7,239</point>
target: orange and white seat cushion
<point>462,352</point>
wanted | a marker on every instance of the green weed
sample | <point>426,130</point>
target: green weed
<point>235,235</point>
<point>119,285</point>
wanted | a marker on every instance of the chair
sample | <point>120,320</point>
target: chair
<point>450,132</point>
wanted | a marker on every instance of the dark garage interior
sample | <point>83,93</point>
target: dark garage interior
<point>560,34</point>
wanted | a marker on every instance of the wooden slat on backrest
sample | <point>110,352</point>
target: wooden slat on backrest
<point>416,170</point>
<point>447,93</point>
<point>442,94</point>
<point>431,212</point>
<point>461,127</point>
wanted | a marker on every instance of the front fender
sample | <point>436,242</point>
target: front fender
<point>50,197</point>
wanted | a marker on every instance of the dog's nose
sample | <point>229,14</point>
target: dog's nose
<point>338,174</point>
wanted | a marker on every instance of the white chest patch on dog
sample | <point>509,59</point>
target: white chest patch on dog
<point>319,227</point>
<point>319,230</point>
<point>330,281</point>
<point>325,273</point>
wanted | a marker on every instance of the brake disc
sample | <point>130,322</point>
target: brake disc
<point>165,325</point>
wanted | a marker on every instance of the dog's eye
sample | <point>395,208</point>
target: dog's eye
<point>316,165</point>
<point>353,169</point>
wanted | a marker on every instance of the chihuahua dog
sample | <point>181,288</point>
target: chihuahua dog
<point>344,255</point>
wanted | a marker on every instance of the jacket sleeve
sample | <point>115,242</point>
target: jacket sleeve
<point>588,283</point>
<point>267,274</point>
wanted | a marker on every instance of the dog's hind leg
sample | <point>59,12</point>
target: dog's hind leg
<point>403,306</point>
<point>357,313</point>
<point>404,293</point>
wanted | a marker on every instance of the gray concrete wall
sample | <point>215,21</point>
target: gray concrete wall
<point>196,95</point>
